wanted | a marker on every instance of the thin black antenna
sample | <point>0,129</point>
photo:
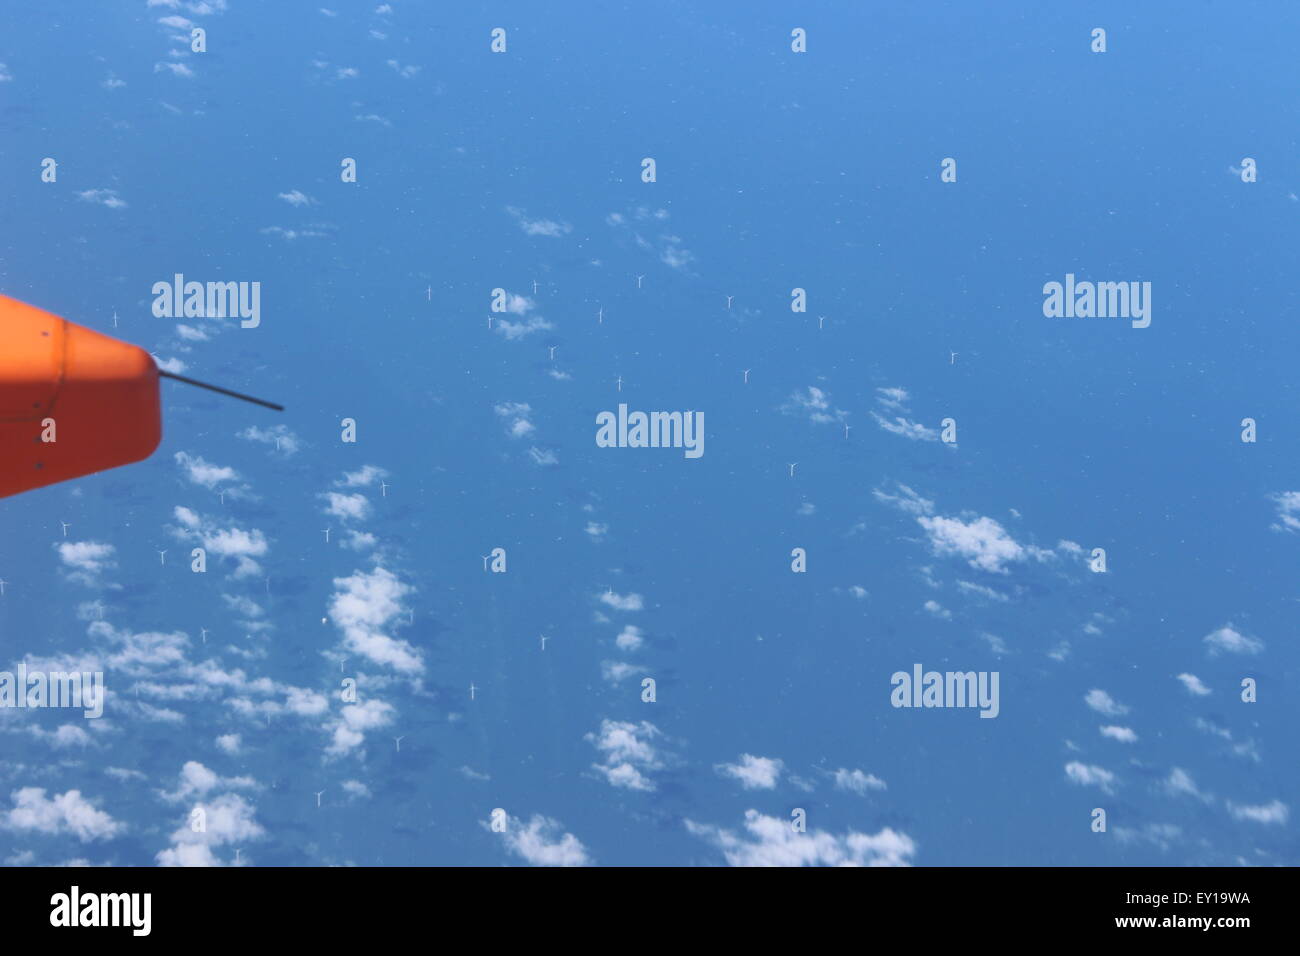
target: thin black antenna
<point>223,391</point>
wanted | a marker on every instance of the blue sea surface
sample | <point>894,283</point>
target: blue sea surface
<point>270,691</point>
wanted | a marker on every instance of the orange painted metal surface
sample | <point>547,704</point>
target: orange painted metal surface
<point>96,396</point>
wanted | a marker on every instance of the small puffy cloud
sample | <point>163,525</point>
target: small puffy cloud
<point>86,560</point>
<point>938,610</point>
<point>754,773</point>
<point>855,781</point>
<point>198,780</point>
<point>513,331</point>
<point>539,227</point>
<point>366,476</point>
<point>363,606</point>
<point>102,197</point>
<point>296,197</point>
<point>230,744</point>
<point>1275,812</point>
<point>190,334</point>
<point>1103,703</point>
<point>892,397</point>
<point>176,69</point>
<point>228,819</point>
<point>405,72</point>
<point>983,542</point>
<point>771,841</point>
<point>1123,734</point>
<point>630,638</point>
<point>516,416</point>
<point>279,436</point>
<point>354,721</point>
<point>202,473</point>
<point>622,602</point>
<point>1288,511</point>
<point>1194,685</point>
<point>1228,639</point>
<point>628,753</point>
<point>1088,775</point>
<point>360,541</point>
<point>542,842</point>
<point>906,500</point>
<point>618,671</point>
<point>64,813</point>
<point>235,543</point>
<point>1180,782</point>
<point>816,404</point>
<point>906,428</point>
<point>346,507</point>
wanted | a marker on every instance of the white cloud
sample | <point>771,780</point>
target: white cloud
<point>539,227</point>
<point>513,331</point>
<point>630,638</point>
<point>893,397</point>
<point>237,543</point>
<point>622,602</point>
<point>1103,703</point>
<point>103,197</point>
<point>198,780</point>
<point>1124,735</point>
<point>177,69</point>
<point>754,773</point>
<point>86,560</point>
<point>938,610</point>
<point>230,744</point>
<point>906,428</point>
<point>517,415</point>
<point>628,753</point>
<point>907,500</point>
<point>363,478</point>
<point>285,441</point>
<point>1194,685</point>
<point>771,841</point>
<point>617,671</point>
<point>1275,812</point>
<point>855,781</point>
<point>983,542</point>
<point>346,507</point>
<point>1288,511</point>
<point>228,819</point>
<point>543,842</point>
<point>362,607</point>
<point>355,720</point>
<point>1180,781</point>
<point>1088,775</point>
<point>1229,639</point>
<point>296,197</point>
<point>816,404</point>
<point>63,813</point>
